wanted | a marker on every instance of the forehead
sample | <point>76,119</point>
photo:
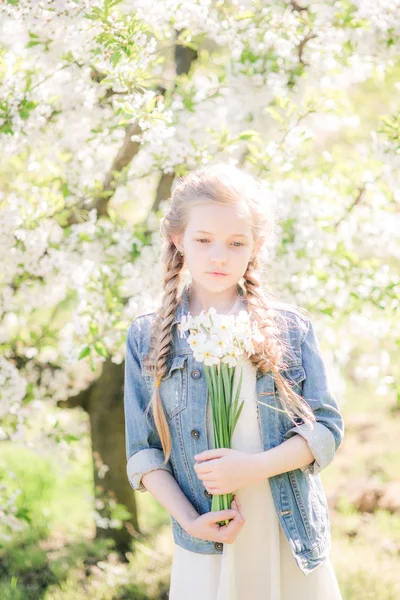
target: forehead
<point>224,219</point>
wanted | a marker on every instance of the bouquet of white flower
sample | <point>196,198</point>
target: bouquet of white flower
<point>219,341</point>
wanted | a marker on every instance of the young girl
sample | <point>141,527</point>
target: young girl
<point>276,545</point>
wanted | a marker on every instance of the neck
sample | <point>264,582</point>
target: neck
<point>202,299</point>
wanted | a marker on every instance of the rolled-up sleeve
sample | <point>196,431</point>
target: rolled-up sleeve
<point>143,446</point>
<point>325,435</point>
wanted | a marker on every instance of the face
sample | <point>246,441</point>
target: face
<point>217,239</point>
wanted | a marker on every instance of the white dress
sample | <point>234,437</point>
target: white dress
<point>259,565</point>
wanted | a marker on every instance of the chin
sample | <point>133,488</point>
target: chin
<point>217,283</point>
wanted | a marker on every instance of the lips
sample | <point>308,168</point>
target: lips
<point>216,273</point>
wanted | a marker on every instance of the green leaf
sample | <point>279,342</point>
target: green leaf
<point>237,416</point>
<point>151,104</point>
<point>23,513</point>
<point>227,395</point>
<point>275,115</point>
<point>121,325</point>
<point>84,352</point>
<point>71,438</point>
<point>248,135</point>
<point>115,58</point>
<point>101,349</point>
<point>247,14</point>
<point>236,402</point>
<point>239,387</point>
<point>94,328</point>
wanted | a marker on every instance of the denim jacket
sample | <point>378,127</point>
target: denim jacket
<point>298,495</point>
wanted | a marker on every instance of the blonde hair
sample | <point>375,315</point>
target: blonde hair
<point>224,184</point>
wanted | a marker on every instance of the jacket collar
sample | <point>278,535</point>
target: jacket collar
<point>183,305</point>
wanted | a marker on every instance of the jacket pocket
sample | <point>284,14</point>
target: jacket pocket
<point>295,376</point>
<point>174,384</point>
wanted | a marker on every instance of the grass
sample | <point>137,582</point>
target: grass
<point>365,546</point>
<point>57,558</point>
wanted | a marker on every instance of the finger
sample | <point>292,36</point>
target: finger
<point>210,482</point>
<point>238,506</point>
<point>221,515</point>
<point>207,483</point>
<point>203,468</point>
<point>214,490</point>
<point>234,524</point>
<point>213,453</point>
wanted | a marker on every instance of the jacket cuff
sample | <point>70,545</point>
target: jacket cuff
<point>143,462</point>
<point>321,443</point>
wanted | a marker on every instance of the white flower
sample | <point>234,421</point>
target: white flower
<point>241,335</point>
<point>197,340</point>
<point>258,336</point>
<point>249,347</point>
<point>182,326</point>
<point>220,344</point>
<point>210,359</point>
<point>203,320</point>
<point>207,355</point>
<point>216,338</point>
<point>231,359</point>
<point>243,317</point>
<point>222,323</point>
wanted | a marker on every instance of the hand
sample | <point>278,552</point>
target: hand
<point>206,526</point>
<point>223,470</point>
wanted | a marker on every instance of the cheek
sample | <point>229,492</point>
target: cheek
<point>243,258</point>
<point>196,252</point>
<point>195,259</point>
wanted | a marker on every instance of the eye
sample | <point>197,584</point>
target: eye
<point>201,240</point>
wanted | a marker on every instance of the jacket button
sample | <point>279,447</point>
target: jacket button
<point>195,373</point>
<point>218,546</point>
<point>195,434</point>
<point>207,494</point>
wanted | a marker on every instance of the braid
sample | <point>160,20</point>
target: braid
<point>173,262</point>
<point>161,340</point>
<point>268,356</point>
<point>271,357</point>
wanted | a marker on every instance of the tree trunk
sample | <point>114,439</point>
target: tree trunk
<point>105,406</point>
<point>103,400</point>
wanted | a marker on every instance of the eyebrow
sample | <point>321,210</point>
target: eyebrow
<point>233,234</point>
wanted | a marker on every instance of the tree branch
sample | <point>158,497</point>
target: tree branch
<point>356,201</point>
<point>184,57</point>
<point>81,399</point>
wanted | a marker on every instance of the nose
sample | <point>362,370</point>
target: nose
<point>218,255</point>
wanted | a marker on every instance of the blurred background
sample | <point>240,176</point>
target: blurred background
<point>103,104</point>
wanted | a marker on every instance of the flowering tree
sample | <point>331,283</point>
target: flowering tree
<point>103,103</point>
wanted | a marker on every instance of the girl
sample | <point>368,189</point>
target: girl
<point>276,545</point>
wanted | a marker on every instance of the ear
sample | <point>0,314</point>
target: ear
<point>257,245</point>
<point>177,239</point>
